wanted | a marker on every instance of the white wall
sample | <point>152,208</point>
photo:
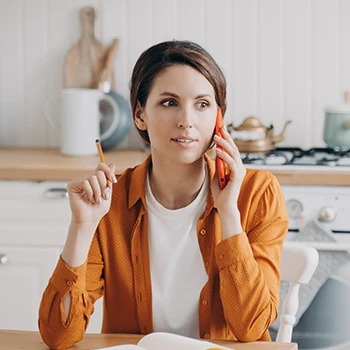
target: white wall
<point>283,59</point>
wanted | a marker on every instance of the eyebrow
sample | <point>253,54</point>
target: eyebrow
<point>166,93</point>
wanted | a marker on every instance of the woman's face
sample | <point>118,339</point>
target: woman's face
<point>179,114</point>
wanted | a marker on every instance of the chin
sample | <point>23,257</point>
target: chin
<point>187,157</point>
<point>180,156</point>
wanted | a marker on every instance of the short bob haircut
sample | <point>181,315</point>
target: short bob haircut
<point>161,56</point>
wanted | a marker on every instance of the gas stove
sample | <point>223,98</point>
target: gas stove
<point>300,159</point>
<point>318,214</point>
<point>328,205</point>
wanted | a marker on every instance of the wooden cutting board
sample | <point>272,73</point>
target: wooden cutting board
<point>86,60</point>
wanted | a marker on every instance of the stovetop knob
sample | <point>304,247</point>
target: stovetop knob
<point>327,214</point>
<point>295,208</point>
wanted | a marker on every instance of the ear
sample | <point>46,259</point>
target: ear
<point>140,117</point>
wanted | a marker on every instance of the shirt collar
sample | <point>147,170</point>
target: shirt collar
<point>138,182</point>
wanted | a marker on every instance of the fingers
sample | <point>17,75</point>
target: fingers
<point>229,153</point>
<point>227,145</point>
<point>100,183</point>
<point>96,186</point>
<point>91,189</point>
<point>108,171</point>
<point>87,191</point>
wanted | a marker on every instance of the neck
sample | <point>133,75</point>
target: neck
<point>175,186</point>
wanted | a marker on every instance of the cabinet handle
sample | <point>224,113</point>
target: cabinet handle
<point>3,259</point>
<point>56,193</point>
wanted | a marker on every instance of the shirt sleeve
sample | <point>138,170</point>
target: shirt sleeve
<point>85,283</point>
<point>249,266</point>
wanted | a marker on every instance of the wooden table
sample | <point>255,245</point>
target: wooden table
<point>17,340</point>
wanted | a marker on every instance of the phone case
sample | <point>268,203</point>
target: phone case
<point>220,164</point>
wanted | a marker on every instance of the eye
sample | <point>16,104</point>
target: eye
<point>168,103</point>
<point>203,104</point>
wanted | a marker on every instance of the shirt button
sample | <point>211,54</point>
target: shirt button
<point>69,283</point>
<point>204,302</point>
<point>206,336</point>
<point>203,232</point>
<point>221,256</point>
<point>207,264</point>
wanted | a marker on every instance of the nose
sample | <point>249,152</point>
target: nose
<point>185,119</point>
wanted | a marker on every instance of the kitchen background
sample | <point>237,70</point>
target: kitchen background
<point>283,59</point>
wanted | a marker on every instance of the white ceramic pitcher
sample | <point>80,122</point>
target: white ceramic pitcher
<point>79,120</point>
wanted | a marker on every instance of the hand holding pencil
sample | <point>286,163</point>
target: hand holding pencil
<point>90,196</point>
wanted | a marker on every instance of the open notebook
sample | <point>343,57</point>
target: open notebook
<point>168,341</point>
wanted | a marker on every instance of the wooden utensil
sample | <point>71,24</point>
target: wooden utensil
<point>85,61</point>
<point>107,76</point>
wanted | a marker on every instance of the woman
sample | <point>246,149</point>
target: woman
<point>166,247</point>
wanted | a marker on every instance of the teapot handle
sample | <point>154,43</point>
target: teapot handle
<point>230,127</point>
<point>115,111</point>
<point>48,112</point>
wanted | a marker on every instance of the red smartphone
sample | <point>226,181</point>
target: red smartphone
<point>220,164</point>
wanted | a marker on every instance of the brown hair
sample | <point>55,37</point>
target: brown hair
<point>166,54</point>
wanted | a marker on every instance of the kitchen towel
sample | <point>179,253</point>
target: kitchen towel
<point>329,262</point>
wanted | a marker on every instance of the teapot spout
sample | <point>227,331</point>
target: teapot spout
<point>280,137</point>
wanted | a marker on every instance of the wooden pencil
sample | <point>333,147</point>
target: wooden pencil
<point>100,152</point>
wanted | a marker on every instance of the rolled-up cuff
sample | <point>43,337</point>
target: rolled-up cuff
<point>65,278</point>
<point>233,250</point>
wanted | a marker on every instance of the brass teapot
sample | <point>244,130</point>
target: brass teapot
<point>253,137</point>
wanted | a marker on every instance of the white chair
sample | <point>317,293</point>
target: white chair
<point>298,264</point>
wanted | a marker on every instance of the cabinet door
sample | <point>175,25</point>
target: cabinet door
<point>34,220</point>
<point>33,213</point>
<point>23,279</point>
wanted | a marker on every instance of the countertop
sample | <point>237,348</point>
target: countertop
<point>48,164</point>
<point>41,164</point>
<point>32,341</point>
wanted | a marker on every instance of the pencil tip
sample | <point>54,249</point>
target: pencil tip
<point>97,140</point>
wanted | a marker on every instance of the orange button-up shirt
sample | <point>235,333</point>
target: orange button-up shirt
<point>240,299</point>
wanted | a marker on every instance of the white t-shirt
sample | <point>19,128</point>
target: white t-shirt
<point>177,269</point>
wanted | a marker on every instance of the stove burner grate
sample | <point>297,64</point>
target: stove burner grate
<point>317,156</point>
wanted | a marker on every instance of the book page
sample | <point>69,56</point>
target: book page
<point>124,347</point>
<point>168,341</point>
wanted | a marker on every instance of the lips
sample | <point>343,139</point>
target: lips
<point>184,139</point>
<point>184,142</point>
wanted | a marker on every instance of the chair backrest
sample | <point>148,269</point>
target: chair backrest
<point>298,264</point>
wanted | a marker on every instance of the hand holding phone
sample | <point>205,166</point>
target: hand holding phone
<point>220,164</point>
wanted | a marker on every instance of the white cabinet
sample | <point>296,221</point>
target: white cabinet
<point>34,218</point>
<point>23,280</point>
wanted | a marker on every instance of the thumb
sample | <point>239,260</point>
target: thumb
<point>112,167</point>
